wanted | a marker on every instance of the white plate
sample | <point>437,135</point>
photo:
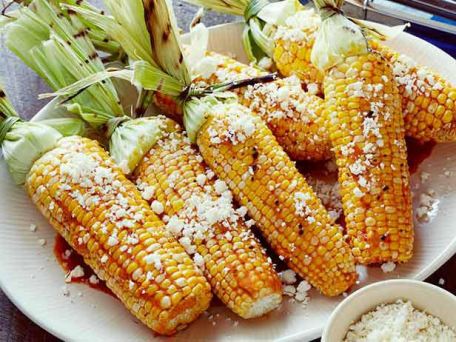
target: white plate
<point>36,291</point>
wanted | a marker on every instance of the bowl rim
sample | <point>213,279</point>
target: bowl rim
<point>372,288</point>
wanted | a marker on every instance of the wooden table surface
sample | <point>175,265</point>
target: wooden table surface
<point>24,85</point>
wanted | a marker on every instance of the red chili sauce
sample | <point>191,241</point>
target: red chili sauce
<point>69,262</point>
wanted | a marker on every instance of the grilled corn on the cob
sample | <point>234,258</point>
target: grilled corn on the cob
<point>102,216</point>
<point>428,100</point>
<point>293,115</point>
<point>199,212</point>
<point>293,44</point>
<point>367,133</point>
<point>242,151</point>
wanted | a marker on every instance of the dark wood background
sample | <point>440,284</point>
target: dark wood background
<point>24,86</point>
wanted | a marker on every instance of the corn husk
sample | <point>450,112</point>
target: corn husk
<point>165,39</point>
<point>233,7</point>
<point>130,141</point>
<point>124,28</point>
<point>199,41</point>
<point>337,39</point>
<point>61,56</point>
<point>340,37</point>
<point>276,13</point>
<point>22,142</point>
<point>196,113</point>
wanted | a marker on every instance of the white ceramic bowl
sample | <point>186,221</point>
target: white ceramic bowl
<point>425,297</point>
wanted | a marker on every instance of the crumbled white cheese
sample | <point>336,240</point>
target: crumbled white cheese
<point>427,203</point>
<point>157,207</point>
<point>388,267</point>
<point>288,277</point>
<point>302,209</point>
<point>398,321</point>
<point>77,272</point>
<point>199,260</point>
<point>220,186</point>
<point>201,179</point>
<point>148,192</point>
<point>32,227</point>
<point>154,259</point>
<point>357,192</point>
<point>42,242</point>
<point>424,176</point>
<point>94,279</point>
<point>65,291</point>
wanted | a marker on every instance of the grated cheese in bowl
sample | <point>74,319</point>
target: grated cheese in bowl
<point>399,322</point>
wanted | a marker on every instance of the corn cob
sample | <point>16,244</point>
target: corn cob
<point>242,151</point>
<point>428,100</point>
<point>367,133</point>
<point>293,44</point>
<point>293,115</point>
<point>200,214</point>
<point>102,216</point>
<point>366,129</point>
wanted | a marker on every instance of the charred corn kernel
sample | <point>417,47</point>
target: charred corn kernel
<point>208,225</point>
<point>230,135</point>
<point>371,155</point>
<point>86,175</point>
<point>293,115</point>
<point>423,91</point>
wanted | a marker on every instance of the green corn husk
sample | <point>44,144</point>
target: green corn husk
<point>130,141</point>
<point>100,38</point>
<point>339,37</point>
<point>61,56</point>
<point>233,7</point>
<point>93,97</point>
<point>22,142</point>
<point>130,34</point>
<point>165,39</point>
<point>260,16</point>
